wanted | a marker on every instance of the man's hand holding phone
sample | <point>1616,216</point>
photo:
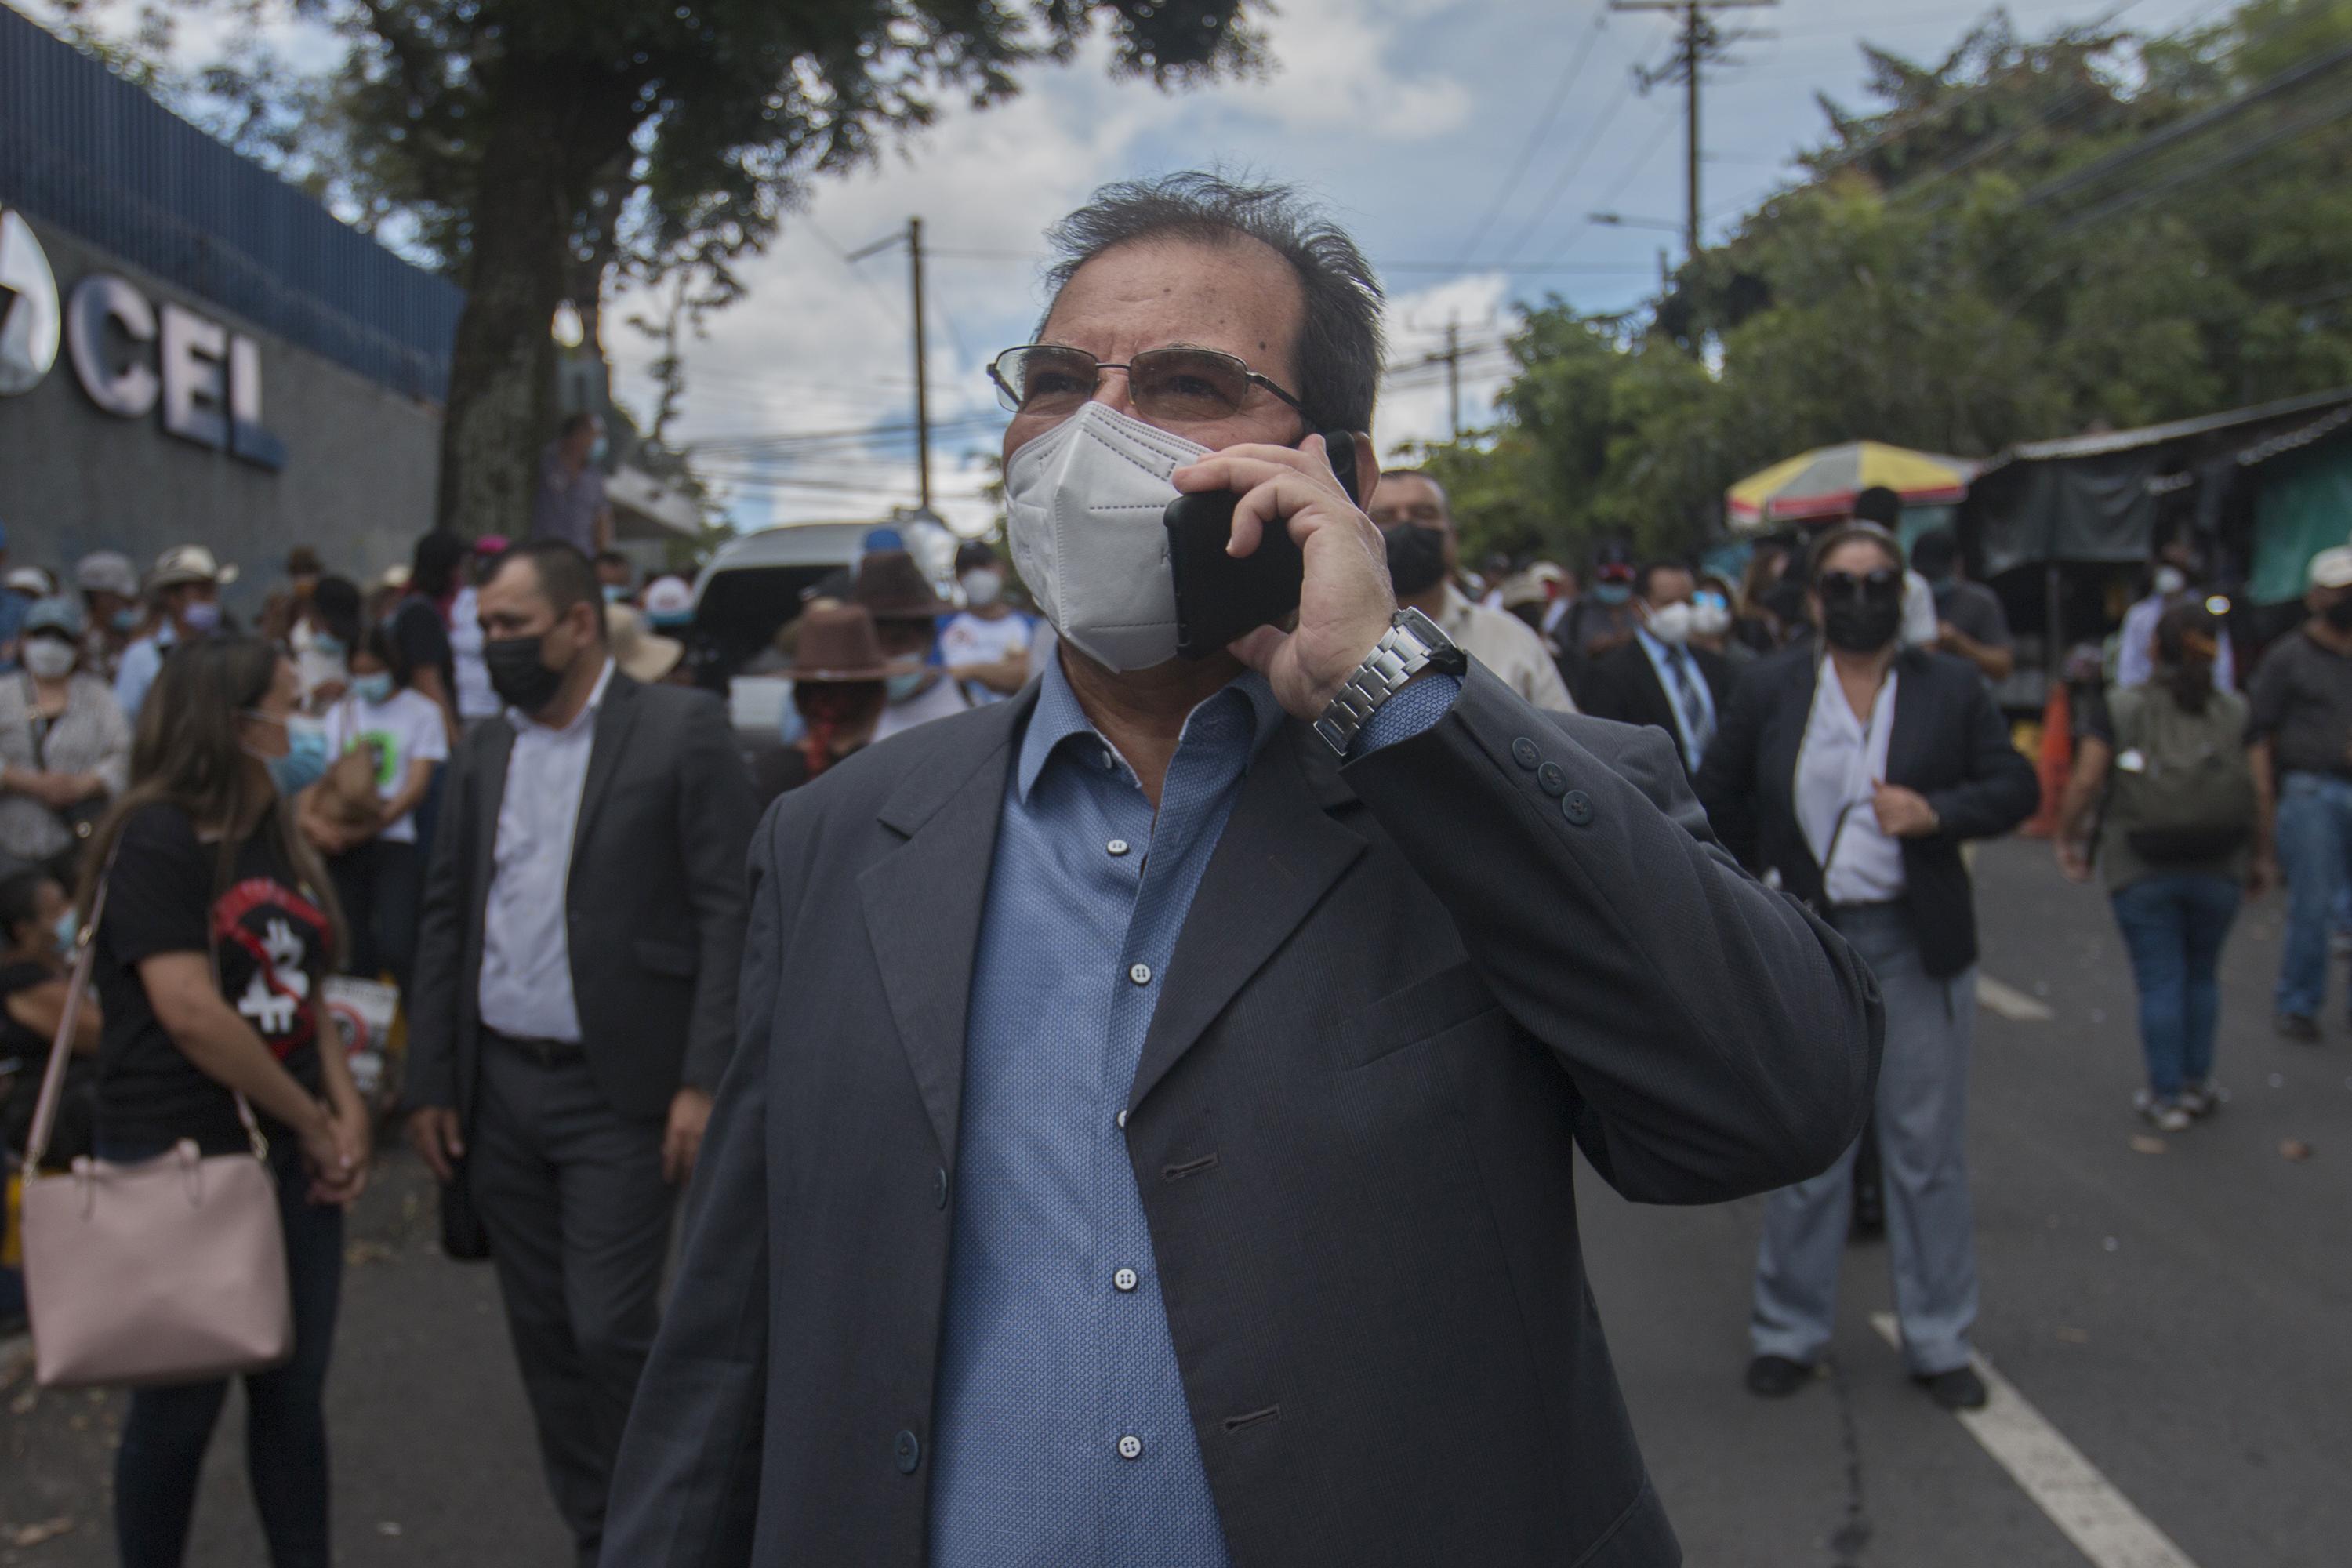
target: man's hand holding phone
<point>1345,602</point>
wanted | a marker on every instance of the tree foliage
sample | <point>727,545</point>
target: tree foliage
<point>530,147</point>
<point>2022,239</point>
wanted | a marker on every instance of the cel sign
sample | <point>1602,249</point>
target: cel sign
<point>208,378</point>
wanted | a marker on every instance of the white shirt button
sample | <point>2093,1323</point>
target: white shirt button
<point>1122,1121</point>
<point>1140,974</point>
<point>1116,846</point>
<point>1124,1279</point>
<point>1130,1447</point>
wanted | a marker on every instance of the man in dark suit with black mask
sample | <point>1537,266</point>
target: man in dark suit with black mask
<point>574,1003</point>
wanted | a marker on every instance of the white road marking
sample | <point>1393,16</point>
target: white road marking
<point>2084,1504</point>
<point>2010,1001</point>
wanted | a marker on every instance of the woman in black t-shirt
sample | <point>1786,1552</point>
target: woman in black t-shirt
<point>36,925</point>
<point>218,927</point>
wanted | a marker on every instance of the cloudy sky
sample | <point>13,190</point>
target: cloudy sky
<point>1465,142</point>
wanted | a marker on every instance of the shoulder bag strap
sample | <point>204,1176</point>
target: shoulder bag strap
<point>53,1081</point>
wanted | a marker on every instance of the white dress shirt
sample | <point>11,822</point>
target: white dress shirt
<point>1508,646</point>
<point>1836,766</point>
<point>526,985</point>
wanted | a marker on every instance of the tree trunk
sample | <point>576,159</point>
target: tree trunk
<point>501,373</point>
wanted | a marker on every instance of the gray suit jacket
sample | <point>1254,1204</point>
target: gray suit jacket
<point>1407,989</point>
<point>653,902</point>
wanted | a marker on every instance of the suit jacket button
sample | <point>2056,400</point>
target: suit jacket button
<point>908,1451</point>
<point>1577,806</point>
<point>1553,779</point>
<point>1523,752</point>
<point>940,1186</point>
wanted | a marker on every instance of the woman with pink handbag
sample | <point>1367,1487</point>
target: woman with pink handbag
<point>217,927</point>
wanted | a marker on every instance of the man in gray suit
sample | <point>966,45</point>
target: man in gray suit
<point>574,1002</point>
<point>1150,1139</point>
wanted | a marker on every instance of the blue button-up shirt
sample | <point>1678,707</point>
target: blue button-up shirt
<point>1062,1431</point>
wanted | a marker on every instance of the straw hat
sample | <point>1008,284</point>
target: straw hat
<point>642,656</point>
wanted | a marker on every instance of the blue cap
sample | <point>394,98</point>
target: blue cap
<point>56,614</point>
<point>875,539</point>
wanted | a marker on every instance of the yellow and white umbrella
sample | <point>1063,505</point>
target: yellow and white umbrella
<point>1822,483</point>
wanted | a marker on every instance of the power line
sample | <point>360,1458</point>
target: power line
<point>1700,45</point>
<point>1535,136</point>
<point>1574,167</point>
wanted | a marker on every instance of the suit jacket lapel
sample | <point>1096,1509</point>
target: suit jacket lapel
<point>1280,853</point>
<point>616,717</point>
<point>1906,743</point>
<point>923,903</point>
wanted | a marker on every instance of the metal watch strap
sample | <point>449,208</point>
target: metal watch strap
<point>1412,644</point>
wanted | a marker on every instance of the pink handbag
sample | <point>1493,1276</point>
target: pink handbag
<point>172,1270</point>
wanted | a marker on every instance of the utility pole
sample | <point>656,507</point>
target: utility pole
<point>922,375</point>
<point>913,241</point>
<point>1699,44</point>
<point>1453,374</point>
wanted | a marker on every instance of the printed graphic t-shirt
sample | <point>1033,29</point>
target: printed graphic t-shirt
<point>273,942</point>
<point>405,729</point>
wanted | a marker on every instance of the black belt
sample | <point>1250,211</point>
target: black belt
<point>546,1053</point>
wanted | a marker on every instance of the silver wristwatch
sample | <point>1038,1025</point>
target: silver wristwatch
<point>1412,644</point>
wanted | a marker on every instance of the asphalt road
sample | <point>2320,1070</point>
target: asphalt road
<point>2179,1315</point>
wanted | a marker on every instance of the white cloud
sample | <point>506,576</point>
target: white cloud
<point>1414,398</point>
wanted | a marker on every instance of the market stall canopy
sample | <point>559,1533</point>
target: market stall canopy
<point>1822,483</point>
<point>2094,498</point>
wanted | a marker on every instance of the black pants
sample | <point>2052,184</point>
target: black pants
<point>570,1191</point>
<point>381,885</point>
<point>164,1437</point>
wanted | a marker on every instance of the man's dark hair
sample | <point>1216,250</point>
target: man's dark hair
<point>339,604</point>
<point>1879,505</point>
<point>1339,354</point>
<point>1934,553</point>
<point>1434,483</point>
<point>20,900</point>
<point>1650,569</point>
<point>566,576</point>
<point>575,423</point>
<point>433,569</point>
<point>614,558</point>
<point>974,554</point>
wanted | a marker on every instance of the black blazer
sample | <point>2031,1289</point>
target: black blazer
<point>1949,743</point>
<point>1406,991</point>
<point>655,902</point>
<point>1625,686</point>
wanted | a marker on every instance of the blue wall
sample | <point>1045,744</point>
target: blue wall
<point>100,158</point>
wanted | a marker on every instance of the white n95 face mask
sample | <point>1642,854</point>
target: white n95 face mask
<point>1084,504</point>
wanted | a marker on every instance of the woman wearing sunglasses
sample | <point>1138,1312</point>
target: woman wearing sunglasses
<point>1853,768</point>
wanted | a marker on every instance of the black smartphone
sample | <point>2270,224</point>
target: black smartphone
<point>1219,599</point>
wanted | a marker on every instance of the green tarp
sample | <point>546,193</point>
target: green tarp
<point>2302,507</point>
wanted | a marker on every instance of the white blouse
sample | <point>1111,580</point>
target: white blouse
<point>1836,767</point>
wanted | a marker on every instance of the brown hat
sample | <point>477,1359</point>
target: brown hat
<point>303,562</point>
<point>837,643</point>
<point>893,588</point>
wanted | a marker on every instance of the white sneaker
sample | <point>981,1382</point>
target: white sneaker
<point>2201,1098</point>
<point>2164,1115</point>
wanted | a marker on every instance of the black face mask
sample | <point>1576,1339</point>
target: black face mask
<point>1416,557</point>
<point>1862,625</point>
<point>2339,614</point>
<point>518,676</point>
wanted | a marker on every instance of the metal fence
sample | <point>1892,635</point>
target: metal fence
<point>89,153</point>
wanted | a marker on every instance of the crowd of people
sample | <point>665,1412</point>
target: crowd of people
<point>1074,990</point>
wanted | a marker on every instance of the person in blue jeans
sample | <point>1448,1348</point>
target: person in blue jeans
<point>2299,735</point>
<point>2163,767</point>
<point>219,926</point>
